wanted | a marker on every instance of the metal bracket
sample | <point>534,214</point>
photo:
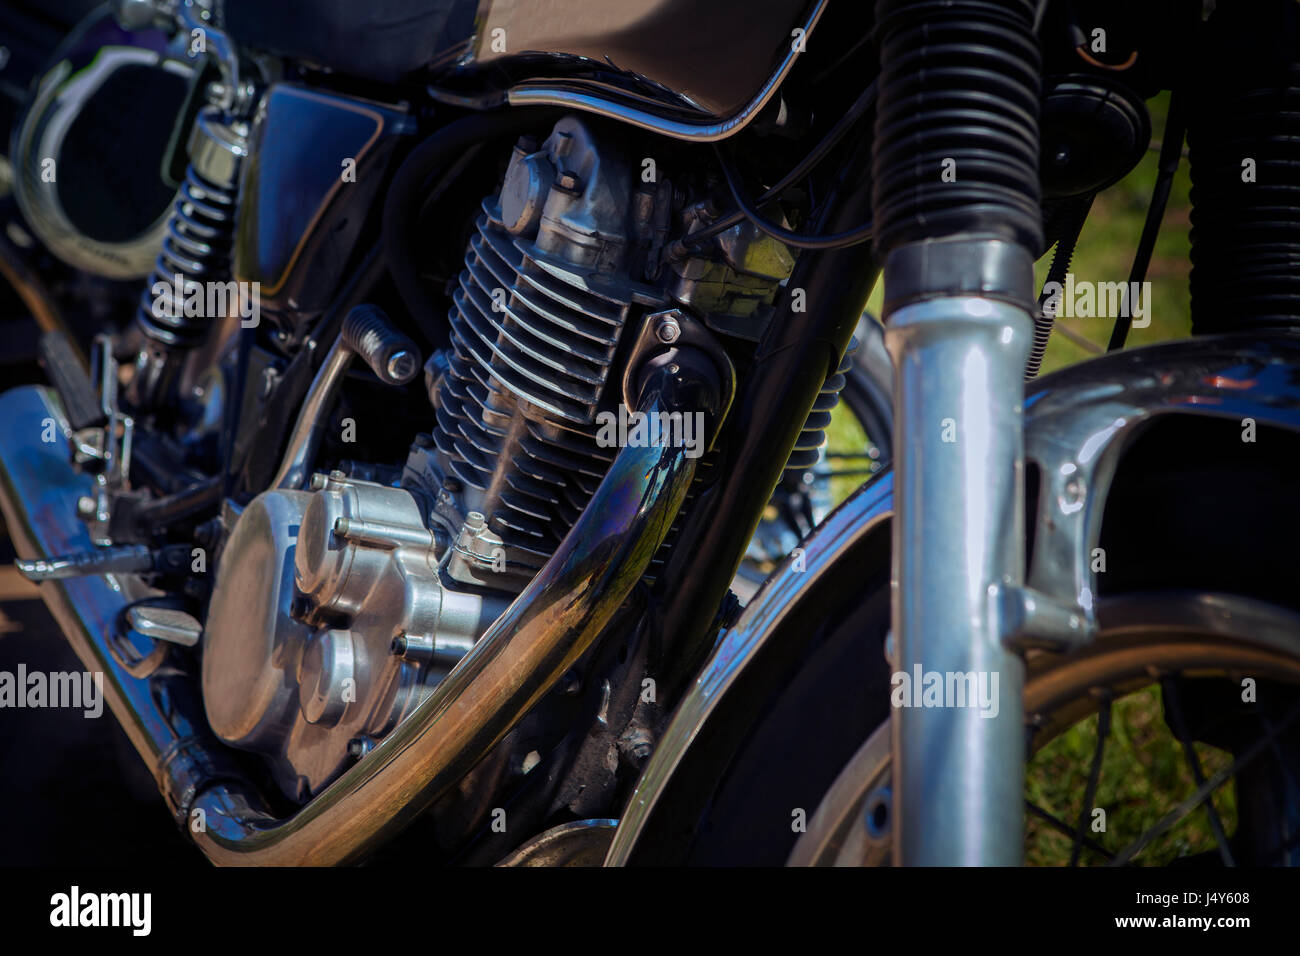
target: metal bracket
<point>663,332</point>
<point>1029,619</point>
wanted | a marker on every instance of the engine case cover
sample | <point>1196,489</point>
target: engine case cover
<point>302,660</point>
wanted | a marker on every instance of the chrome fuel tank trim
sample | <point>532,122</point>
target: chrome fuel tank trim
<point>571,94</point>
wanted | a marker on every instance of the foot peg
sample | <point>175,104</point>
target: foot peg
<point>122,559</point>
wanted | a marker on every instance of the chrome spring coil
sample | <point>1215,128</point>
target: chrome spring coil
<point>812,439</point>
<point>196,249</point>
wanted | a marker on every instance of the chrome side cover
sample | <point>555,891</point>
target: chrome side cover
<point>1078,424</point>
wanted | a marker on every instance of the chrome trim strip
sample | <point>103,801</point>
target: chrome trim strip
<point>571,95</point>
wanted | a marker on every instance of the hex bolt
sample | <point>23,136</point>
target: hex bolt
<point>667,330</point>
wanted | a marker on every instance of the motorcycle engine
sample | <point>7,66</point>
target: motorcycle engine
<point>376,590</point>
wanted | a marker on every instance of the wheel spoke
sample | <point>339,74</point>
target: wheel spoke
<point>1203,791</point>
<point>1094,777</point>
<point>1059,824</point>
<point>1175,703</point>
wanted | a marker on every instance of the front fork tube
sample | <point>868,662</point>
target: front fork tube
<point>958,737</point>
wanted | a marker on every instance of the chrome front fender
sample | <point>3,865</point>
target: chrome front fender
<point>1078,424</point>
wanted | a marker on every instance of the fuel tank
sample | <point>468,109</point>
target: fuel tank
<point>710,55</point>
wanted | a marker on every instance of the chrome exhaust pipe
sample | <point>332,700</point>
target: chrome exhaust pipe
<point>552,623</point>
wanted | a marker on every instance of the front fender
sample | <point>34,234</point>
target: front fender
<point>1079,423</point>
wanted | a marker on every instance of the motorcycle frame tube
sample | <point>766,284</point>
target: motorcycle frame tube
<point>958,539</point>
<point>741,653</point>
<point>798,352</point>
<point>552,623</point>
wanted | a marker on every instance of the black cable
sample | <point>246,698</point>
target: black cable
<point>837,240</point>
<point>827,143</point>
<point>403,202</point>
<point>1171,153</point>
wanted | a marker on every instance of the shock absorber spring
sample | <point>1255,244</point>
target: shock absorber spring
<point>1244,142</point>
<point>196,250</point>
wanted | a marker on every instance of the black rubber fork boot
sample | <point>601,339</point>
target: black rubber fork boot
<point>959,224</point>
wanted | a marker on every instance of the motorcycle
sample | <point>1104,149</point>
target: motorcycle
<point>450,361</point>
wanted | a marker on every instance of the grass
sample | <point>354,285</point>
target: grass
<point>1144,772</point>
<point>1143,775</point>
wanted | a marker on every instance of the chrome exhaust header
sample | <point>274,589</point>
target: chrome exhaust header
<point>552,623</point>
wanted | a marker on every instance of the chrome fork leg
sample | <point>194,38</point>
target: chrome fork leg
<point>958,545</point>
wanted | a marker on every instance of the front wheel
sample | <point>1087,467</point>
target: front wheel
<point>1173,739</point>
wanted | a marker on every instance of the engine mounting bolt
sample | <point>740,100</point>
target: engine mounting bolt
<point>358,747</point>
<point>475,521</point>
<point>667,330</point>
<point>85,506</point>
<point>451,484</point>
<point>571,684</point>
<point>569,182</point>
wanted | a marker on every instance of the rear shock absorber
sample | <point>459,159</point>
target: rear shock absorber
<point>196,250</point>
<point>1244,141</point>
<point>959,224</point>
